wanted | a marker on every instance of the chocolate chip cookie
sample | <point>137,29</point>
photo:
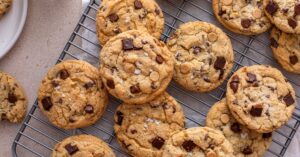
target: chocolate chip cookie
<point>260,97</point>
<point>245,142</point>
<point>117,16</point>
<point>82,146</point>
<point>196,142</point>
<point>245,17</point>
<point>143,129</point>
<point>72,95</point>
<point>203,56</point>
<point>4,6</point>
<point>13,103</point>
<point>284,14</point>
<point>135,67</point>
<point>286,49</point>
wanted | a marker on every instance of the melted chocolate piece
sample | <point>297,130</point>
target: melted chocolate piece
<point>72,149</point>
<point>47,103</point>
<point>188,145</point>
<point>158,142</point>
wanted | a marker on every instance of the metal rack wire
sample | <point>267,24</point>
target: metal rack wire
<point>37,136</point>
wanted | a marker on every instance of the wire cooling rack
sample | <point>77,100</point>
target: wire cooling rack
<point>37,136</point>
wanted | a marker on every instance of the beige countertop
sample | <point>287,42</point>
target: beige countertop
<point>48,26</point>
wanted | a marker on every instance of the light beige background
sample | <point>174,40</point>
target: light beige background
<point>47,29</point>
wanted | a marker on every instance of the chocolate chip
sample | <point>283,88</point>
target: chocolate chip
<point>292,22</point>
<point>54,83</point>
<point>274,43</point>
<point>138,4</point>
<point>47,103</point>
<point>110,84</point>
<point>247,150</point>
<point>12,98</point>
<point>234,84</point>
<point>220,63</point>
<point>72,149</point>
<point>127,44</point>
<point>135,89</point>
<point>63,74</point>
<point>222,12</point>
<point>235,127</point>
<point>251,77</point>
<point>272,7</point>
<point>157,11</point>
<point>267,135</point>
<point>159,59</point>
<point>246,23</point>
<point>120,117</point>
<point>221,74</point>
<point>158,142</point>
<point>196,50</point>
<point>133,131</point>
<point>256,110</point>
<point>88,85</point>
<point>297,9</point>
<point>288,99</point>
<point>293,59</point>
<point>188,145</point>
<point>89,109</point>
<point>113,17</point>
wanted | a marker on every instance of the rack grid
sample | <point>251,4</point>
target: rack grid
<point>37,136</point>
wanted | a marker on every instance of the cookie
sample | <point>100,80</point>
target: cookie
<point>4,6</point>
<point>13,103</point>
<point>245,142</point>
<point>286,49</point>
<point>284,14</point>
<point>260,97</point>
<point>196,142</point>
<point>143,129</point>
<point>72,95</point>
<point>82,146</point>
<point>203,56</point>
<point>245,17</point>
<point>117,16</point>
<point>135,67</point>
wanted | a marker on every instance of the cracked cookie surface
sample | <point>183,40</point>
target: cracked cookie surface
<point>82,146</point>
<point>245,142</point>
<point>72,95</point>
<point>13,103</point>
<point>286,49</point>
<point>117,16</point>
<point>135,67</point>
<point>284,14</point>
<point>196,142</point>
<point>203,56</point>
<point>245,17</point>
<point>5,6</point>
<point>143,129</point>
<point>260,97</point>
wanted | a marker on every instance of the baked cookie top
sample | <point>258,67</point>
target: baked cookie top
<point>135,67</point>
<point>242,16</point>
<point>144,129</point>
<point>82,146</point>
<point>198,141</point>
<point>13,103</point>
<point>245,142</point>
<point>286,49</point>
<point>72,95</point>
<point>4,6</point>
<point>117,16</point>
<point>203,56</point>
<point>260,97</point>
<point>284,14</point>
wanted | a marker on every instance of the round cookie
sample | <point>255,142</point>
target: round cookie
<point>196,142</point>
<point>117,16</point>
<point>136,67</point>
<point>4,6</point>
<point>245,17</point>
<point>143,129</point>
<point>260,98</point>
<point>203,56</point>
<point>13,103</point>
<point>72,95</point>
<point>284,14</point>
<point>82,146</point>
<point>286,49</point>
<point>246,142</point>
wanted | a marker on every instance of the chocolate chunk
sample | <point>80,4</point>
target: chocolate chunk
<point>222,71</point>
<point>135,89</point>
<point>247,151</point>
<point>220,63</point>
<point>88,85</point>
<point>138,4</point>
<point>235,127</point>
<point>188,145</point>
<point>267,135</point>
<point>271,8</point>
<point>292,22</point>
<point>113,17</point>
<point>12,98</point>
<point>251,77</point>
<point>196,50</point>
<point>158,142</point>
<point>72,149</point>
<point>133,131</point>
<point>274,43</point>
<point>157,11</point>
<point>222,12</point>
<point>127,44</point>
<point>234,84</point>
<point>293,59</point>
<point>297,9</point>
<point>63,74</point>
<point>47,103</point>
<point>256,110</point>
<point>288,99</point>
<point>89,109</point>
<point>120,117</point>
<point>246,23</point>
<point>54,83</point>
<point>110,84</point>
<point>159,59</point>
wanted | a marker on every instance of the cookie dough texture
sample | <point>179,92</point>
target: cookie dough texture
<point>4,6</point>
<point>260,97</point>
<point>144,129</point>
<point>198,141</point>
<point>13,103</point>
<point>82,146</point>
<point>284,14</point>
<point>136,67</point>
<point>203,56</point>
<point>245,142</point>
<point>72,95</point>
<point>286,49</point>
<point>245,17</point>
<point>117,16</point>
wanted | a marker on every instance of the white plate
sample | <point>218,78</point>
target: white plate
<point>11,25</point>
